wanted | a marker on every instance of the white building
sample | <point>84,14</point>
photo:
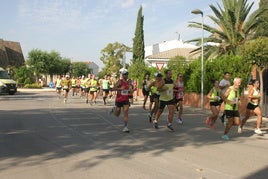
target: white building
<point>94,67</point>
<point>158,55</point>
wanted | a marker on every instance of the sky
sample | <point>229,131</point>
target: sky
<point>80,29</point>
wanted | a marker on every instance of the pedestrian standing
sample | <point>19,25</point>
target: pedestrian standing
<point>165,88</point>
<point>232,101</point>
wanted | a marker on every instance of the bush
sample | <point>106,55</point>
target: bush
<point>27,81</point>
<point>35,85</point>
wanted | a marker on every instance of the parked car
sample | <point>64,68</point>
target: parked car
<point>7,85</point>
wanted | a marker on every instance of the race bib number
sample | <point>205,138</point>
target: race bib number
<point>124,92</point>
<point>169,92</point>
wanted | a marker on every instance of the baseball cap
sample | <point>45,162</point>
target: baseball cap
<point>124,72</point>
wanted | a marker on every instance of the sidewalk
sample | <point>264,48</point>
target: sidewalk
<point>47,89</point>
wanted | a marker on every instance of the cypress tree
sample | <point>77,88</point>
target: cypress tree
<point>138,40</point>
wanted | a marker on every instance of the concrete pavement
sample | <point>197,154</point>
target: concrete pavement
<point>41,137</point>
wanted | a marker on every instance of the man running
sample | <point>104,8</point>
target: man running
<point>122,89</point>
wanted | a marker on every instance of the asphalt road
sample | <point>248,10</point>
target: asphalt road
<point>43,138</point>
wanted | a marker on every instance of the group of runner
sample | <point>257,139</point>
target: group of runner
<point>223,93</point>
<point>163,92</point>
<point>87,87</point>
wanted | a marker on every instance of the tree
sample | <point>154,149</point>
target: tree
<point>177,65</point>
<point>233,63</point>
<point>37,60</point>
<point>112,57</point>
<point>79,69</point>
<point>233,27</point>
<point>47,63</point>
<point>22,73</point>
<point>263,26</point>
<point>138,40</point>
<point>255,52</point>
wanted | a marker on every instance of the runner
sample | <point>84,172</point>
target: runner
<point>66,83</point>
<point>224,85</point>
<point>253,107</point>
<point>105,84</point>
<point>232,100</point>
<point>165,87</point>
<point>93,91</point>
<point>144,90</point>
<point>122,98</point>
<point>58,86</point>
<point>214,102</point>
<point>178,95</point>
<point>154,96</point>
<point>74,85</point>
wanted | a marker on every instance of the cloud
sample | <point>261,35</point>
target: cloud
<point>127,3</point>
<point>58,14</point>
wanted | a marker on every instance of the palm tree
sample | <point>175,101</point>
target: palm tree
<point>234,26</point>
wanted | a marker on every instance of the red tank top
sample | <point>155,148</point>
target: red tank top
<point>122,95</point>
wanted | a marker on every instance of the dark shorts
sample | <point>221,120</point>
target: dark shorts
<point>178,100</point>
<point>58,88</point>
<point>154,97</point>
<point>66,89</point>
<point>106,90</point>
<point>163,104</point>
<point>232,113</point>
<point>251,106</point>
<point>86,90</point>
<point>214,103</point>
<point>121,104</point>
<point>145,93</point>
<point>92,92</point>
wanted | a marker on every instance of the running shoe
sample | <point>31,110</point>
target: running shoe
<point>179,121</point>
<point>125,129</point>
<point>258,131</point>
<point>225,137</point>
<point>239,130</point>
<point>207,121</point>
<point>169,126</point>
<point>155,125</point>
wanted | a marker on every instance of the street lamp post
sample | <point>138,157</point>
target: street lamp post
<point>197,11</point>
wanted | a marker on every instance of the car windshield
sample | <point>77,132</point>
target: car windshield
<point>4,75</point>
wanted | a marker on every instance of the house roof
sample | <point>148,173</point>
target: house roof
<point>185,52</point>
